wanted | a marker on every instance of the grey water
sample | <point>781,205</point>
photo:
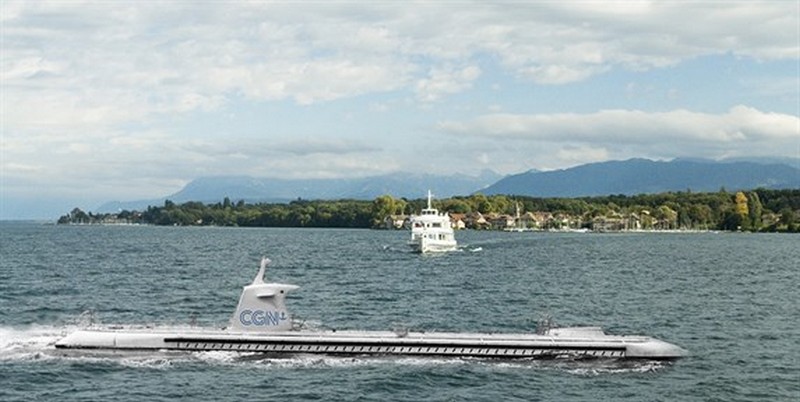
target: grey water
<point>731,299</point>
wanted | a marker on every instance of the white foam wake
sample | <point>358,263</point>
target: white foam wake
<point>31,342</point>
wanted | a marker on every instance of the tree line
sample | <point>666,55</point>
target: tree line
<point>756,210</point>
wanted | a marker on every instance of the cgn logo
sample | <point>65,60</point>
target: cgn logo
<point>261,318</point>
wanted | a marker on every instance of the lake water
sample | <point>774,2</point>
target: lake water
<point>730,299</point>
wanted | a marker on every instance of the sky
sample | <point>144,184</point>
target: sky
<point>127,100</point>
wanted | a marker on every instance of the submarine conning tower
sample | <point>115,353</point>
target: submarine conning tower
<point>261,305</point>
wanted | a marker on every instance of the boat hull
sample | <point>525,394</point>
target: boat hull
<point>510,346</point>
<point>424,245</point>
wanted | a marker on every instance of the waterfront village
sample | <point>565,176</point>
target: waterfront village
<point>545,221</point>
<point>757,211</point>
<point>528,221</point>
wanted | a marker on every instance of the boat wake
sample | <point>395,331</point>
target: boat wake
<point>37,343</point>
<point>29,343</point>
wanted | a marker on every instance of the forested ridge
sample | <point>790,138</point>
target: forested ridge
<point>756,210</point>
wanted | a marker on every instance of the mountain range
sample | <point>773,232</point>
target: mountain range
<point>632,176</point>
<point>643,176</point>
<point>251,189</point>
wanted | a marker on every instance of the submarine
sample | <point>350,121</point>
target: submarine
<point>261,323</point>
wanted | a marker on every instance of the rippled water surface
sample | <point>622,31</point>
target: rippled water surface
<point>730,299</point>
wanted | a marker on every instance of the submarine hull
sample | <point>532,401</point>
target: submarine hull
<point>261,323</point>
<point>378,343</point>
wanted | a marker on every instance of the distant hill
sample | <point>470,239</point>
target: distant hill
<point>633,176</point>
<point>641,176</point>
<point>251,189</point>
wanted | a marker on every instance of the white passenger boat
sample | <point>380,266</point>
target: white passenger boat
<point>431,231</point>
<point>262,323</point>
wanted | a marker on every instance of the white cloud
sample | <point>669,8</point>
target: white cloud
<point>574,40</point>
<point>178,57</point>
<point>337,166</point>
<point>151,163</point>
<point>577,155</point>
<point>560,74</point>
<point>441,82</point>
<point>288,149</point>
<point>27,67</point>
<point>741,131</point>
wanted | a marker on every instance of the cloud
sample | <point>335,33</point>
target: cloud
<point>576,155</point>
<point>175,57</point>
<point>441,82</point>
<point>144,164</point>
<point>315,146</point>
<point>258,147</point>
<point>741,131</point>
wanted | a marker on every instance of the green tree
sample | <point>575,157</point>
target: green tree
<point>754,210</point>
<point>78,216</point>
<point>700,215</point>
<point>482,204</point>
<point>787,216</point>
<point>382,207</point>
<point>457,206</point>
<point>666,216</point>
<point>731,221</point>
